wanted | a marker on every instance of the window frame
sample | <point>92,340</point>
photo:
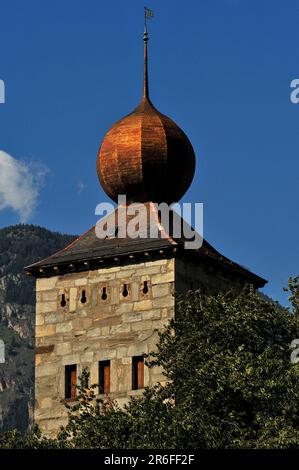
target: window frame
<point>104,376</point>
<point>137,372</point>
<point>70,382</point>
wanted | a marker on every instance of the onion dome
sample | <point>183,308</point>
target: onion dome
<point>145,155</point>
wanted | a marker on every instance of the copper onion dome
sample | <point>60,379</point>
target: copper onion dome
<point>145,155</point>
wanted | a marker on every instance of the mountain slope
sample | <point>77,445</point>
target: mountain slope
<point>20,245</point>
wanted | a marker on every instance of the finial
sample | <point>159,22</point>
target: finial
<point>147,14</point>
<point>145,73</point>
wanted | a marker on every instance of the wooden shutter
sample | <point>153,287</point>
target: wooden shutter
<point>104,376</point>
<point>106,373</point>
<point>70,381</point>
<point>140,373</point>
<point>137,372</point>
<point>73,383</point>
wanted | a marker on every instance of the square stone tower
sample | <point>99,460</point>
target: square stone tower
<point>99,304</point>
<point>100,301</point>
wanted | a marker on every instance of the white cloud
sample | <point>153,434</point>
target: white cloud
<point>20,183</point>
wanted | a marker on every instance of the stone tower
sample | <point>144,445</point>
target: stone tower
<point>99,301</point>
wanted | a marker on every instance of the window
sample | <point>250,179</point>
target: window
<point>104,295</point>
<point>70,381</point>
<point>63,301</point>
<point>125,290</point>
<point>83,297</point>
<point>104,377</point>
<point>137,372</point>
<point>145,287</point>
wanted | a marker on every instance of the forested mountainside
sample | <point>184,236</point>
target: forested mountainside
<point>20,245</point>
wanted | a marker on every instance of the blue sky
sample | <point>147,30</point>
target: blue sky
<point>221,69</point>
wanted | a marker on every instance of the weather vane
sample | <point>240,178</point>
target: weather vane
<point>147,14</point>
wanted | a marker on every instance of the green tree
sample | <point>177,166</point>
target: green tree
<point>228,359</point>
<point>229,383</point>
<point>94,423</point>
<point>293,289</point>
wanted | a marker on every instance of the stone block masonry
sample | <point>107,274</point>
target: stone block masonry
<point>110,314</point>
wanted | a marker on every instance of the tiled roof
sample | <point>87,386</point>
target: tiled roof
<point>88,248</point>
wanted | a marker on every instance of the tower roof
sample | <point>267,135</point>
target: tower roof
<point>146,155</point>
<point>90,252</point>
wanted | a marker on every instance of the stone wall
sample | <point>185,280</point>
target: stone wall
<point>192,274</point>
<point>115,328</point>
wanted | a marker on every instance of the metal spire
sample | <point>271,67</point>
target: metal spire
<point>147,14</point>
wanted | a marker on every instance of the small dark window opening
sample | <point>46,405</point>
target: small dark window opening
<point>137,372</point>
<point>63,301</point>
<point>125,291</point>
<point>71,381</point>
<point>145,288</point>
<point>104,293</point>
<point>83,297</point>
<point>104,377</point>
<point>191,285</point>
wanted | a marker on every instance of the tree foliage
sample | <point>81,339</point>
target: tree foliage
<point>228,359</point>
<point>229,383</point>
